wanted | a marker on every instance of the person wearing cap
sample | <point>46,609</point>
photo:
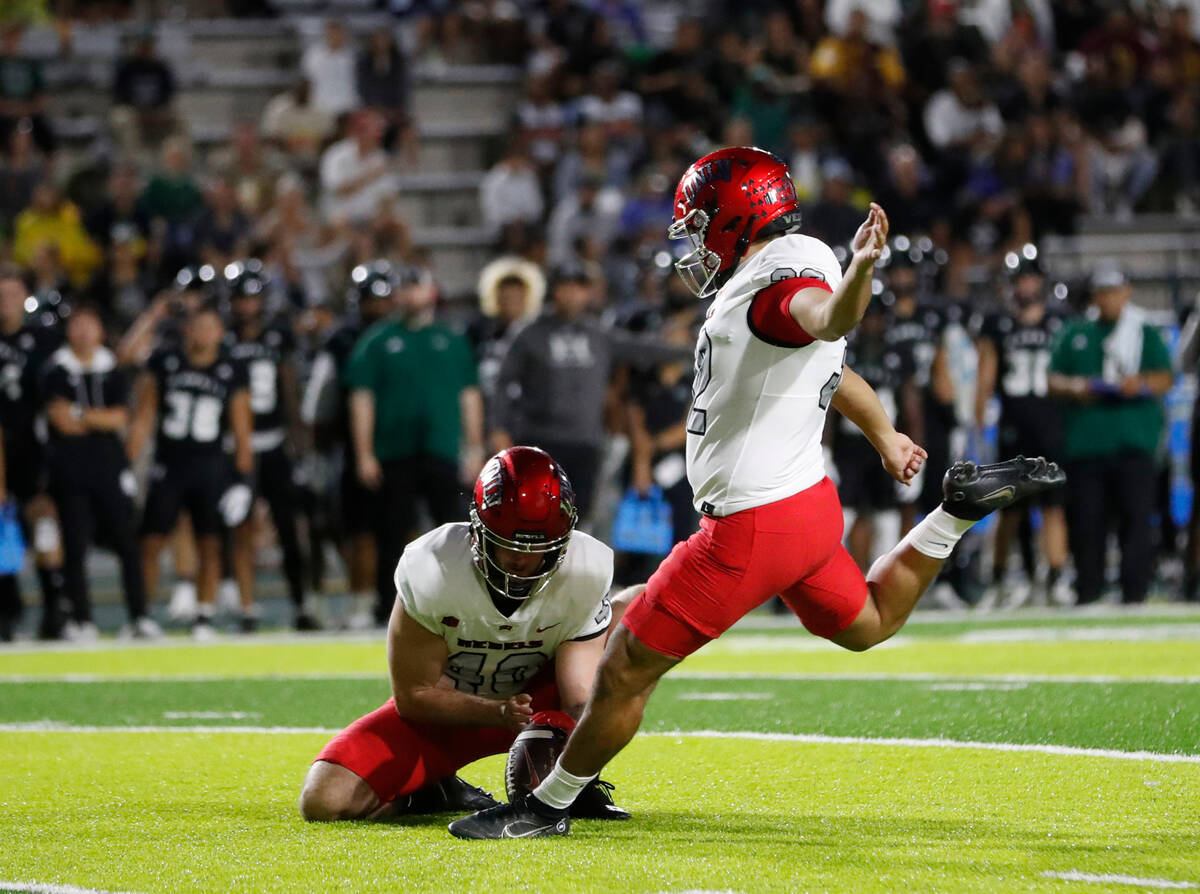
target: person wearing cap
<point>416,418</point>
<point>511,291</point>
<point>1111,369</point>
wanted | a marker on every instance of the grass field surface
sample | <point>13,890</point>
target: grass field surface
<point>1024,753</point>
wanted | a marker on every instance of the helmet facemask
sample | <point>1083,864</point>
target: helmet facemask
<point>485,542</point>
<point>700,267</point>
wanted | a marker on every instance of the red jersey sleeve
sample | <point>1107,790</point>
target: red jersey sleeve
<point>770,316</point>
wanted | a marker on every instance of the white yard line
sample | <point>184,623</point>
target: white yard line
<point>724,696</point>
<point>49,726</point>
<point>1076,876</point>
<point>1102,679</point>
<point>40,888</point>
<point>1148,632</point>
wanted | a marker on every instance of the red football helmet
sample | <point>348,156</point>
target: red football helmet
<point>724,202</point>
<point>523,502</point>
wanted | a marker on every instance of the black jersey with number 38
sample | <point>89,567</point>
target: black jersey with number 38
<point>1022,357</point>
<point>22,355</point>
<point>193,402</point>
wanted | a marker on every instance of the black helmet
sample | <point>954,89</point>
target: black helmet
<point>1024,261</point>
<point>196,278</point>
<point>246,279</point>
<point>375,279</point>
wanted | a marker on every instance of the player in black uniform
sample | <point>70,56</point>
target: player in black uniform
<point>196,394</point>
<point>23,350</point>
<point>1014,359</point>
<point>326,408</point>
<point>86,401</point>
<point>864,485</point>
<point>265,347</point>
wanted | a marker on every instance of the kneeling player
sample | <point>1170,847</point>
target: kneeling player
<point>494,621</point>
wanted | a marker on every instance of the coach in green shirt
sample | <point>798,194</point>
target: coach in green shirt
<point>1111,369</point>
<point>416,420</point>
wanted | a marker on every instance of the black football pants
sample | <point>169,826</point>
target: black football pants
<point>405,482</point>
<point>1101,491</point>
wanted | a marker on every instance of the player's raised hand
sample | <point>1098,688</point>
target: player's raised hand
<point>516,710</point>
<point>902,458</point>
<point>871,237</point>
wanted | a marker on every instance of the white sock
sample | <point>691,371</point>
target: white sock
<point>560,788</point>
<point>937,533</point>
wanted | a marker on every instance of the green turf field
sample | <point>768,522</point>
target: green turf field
<point>1022,753</point>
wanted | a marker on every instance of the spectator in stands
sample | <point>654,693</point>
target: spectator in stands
<point>1111,371</point>
<point>120,209</point>
<point>297,124</point>
<point>21,169</point>
<point>834,218</point>
<point>222,231</point>
<point>933,40</point>
<point>542,120</point>
<point>143,92</point>
<point>22,90</point>
<point>356,173</point>
<point>511,191</point>
<point>1179,165</point>
<point>667,79</point>
<point>959,119</point>
<point>913,205</point>
<point>617,110</point>
<point>883,17</point>
<point>416,421</point>
<point>1122,166</point>
<point>592,213</point>
<point>590,158</point>
<point>329,66</point>
<point>382,79</point>
<point>171,200</point>
<point>53,221</point>
<point>252,167</point>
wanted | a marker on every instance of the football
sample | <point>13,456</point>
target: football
<point>534,752</point>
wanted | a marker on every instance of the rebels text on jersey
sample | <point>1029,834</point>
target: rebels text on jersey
<point>22,356</point>
<point>492,655</point>
<point>193,402</point>
<point>758,404</point>
<point>261,356</point>
<point>1022,356</point>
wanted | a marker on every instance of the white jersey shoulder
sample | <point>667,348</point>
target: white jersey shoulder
<point>758,408</point>
<point>490,654</point>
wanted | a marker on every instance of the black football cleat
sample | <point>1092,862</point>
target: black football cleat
<point>450,795</point>
<point>515,820</point>
<point>970,492</point>
<point>596,802</point>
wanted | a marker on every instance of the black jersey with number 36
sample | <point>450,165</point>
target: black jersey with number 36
<point>193,402</point>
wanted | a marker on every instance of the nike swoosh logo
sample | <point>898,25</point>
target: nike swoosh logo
<point>508,833</point>
<point>1004,493</point>
<point>541,629</point>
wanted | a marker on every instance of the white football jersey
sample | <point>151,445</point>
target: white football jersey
<point>758,410</point>
<point>492,655</point>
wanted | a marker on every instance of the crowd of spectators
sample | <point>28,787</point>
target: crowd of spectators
<point>980,129</point>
